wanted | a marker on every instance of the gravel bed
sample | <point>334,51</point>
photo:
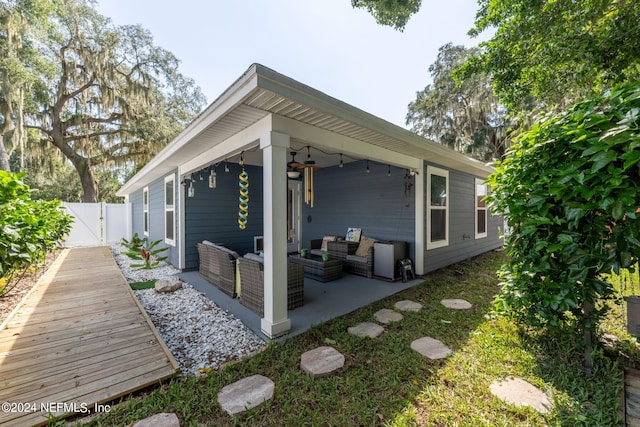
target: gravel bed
<point>199,333</point>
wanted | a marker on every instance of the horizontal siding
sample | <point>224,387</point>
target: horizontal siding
<point>156,217</point>
<point>350,197</point>
<point>213,213</point>
<point>462,241</point>
<point>136,210</point>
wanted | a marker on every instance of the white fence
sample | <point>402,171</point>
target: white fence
<point>97,223</point>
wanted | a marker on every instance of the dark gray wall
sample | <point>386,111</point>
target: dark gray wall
<point>461,222</point>
<point>213,213</point>
<point>350,197</point>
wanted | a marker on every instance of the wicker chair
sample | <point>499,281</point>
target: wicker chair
<point>252,279</point>
<point>218,267</point>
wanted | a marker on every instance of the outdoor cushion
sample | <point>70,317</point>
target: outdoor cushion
<point>357,258</point>
<point>254,257</point>
<point>325,240</point>
<point>231,252</point>
<point>365,244</point>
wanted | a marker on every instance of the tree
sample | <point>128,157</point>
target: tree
<point>465,116</point>
<point>570,190</point>
<point>394,13</point>
<point>19,19</point>
<point>109,96</point>
<point>554,53</point>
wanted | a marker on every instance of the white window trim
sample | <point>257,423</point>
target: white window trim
<point>432,170</point>
<point>172,177</point>
<point>480,182</point>
<point>145,212</point>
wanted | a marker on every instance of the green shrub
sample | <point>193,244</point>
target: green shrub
<point>29,228</point>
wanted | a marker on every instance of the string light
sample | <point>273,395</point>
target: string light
<point>341,162</point>
<point>368,170</point>
<point>213,179</point>
<point>389,170</point>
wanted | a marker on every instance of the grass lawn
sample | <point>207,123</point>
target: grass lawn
<point>385,383</point>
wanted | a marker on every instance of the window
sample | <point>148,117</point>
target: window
<point>169,202</point>
<point>481,208</point>
<point>437,207</point>
<point>145,211</point>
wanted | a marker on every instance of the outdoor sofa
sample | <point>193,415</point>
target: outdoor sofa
<point>356,257</point>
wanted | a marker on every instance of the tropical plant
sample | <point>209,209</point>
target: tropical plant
<point>140,249</point>
<point>29,228</point>
<point>570,191</point>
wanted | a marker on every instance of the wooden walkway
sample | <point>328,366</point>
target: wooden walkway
<point>78,339</point>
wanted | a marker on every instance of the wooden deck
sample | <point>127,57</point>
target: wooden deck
<point>78,339</point>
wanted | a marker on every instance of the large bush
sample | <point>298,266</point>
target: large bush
<point>570,191</point>
<point>28,228</point>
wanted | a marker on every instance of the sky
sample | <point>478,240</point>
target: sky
<point>325,44</point>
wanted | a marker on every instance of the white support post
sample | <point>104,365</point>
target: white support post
<point>274,147</point>
<point>420,217</point>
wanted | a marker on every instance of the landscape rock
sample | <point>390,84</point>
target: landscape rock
<point>159,420</point>
<point>321,361</point>
<point>168,285</point>
<point>519,392</point>
<point>456,304</point>
<point>387,316</point>
<point>431,348</point>
<point>408,306</point>
<point>366,329</point>
<point>245,394</point>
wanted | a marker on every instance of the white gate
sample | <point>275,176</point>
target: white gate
<point>97,223</point>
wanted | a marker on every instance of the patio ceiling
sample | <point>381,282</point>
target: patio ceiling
<point>261,92</point>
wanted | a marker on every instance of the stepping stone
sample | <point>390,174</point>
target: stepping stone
<point>408,306</point>
<point>321,361</point>
<point>366,329</point>
<point>159,420</point>
<point>245,394</point>
<point>431,348</point>
<point>456,304</point>
<point>519,392</point>
<point>387,316</point>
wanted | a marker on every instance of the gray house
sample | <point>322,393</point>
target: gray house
<point>357,171</point>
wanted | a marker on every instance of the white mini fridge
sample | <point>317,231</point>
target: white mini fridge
<point>385,256</point>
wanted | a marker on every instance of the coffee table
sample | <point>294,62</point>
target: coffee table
<point>317,269</point>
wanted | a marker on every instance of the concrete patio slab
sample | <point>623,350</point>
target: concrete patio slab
<point>366,329</point>
<point>431,348</point>
<point>321,361</point>
<point>519,392</point>
<point>387,316</point>
<point>245,394</point>
<point>407,305</point>
<point>456,304</point>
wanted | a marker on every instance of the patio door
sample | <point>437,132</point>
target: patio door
<point>293,216</point>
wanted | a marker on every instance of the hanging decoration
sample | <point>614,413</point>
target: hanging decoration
<point>243,206</point>
<point>308,186</point>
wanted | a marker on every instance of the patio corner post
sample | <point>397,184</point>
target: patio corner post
<point>274,147</point>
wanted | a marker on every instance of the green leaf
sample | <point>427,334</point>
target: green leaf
<point>602,159</point>
<point>617,210</point>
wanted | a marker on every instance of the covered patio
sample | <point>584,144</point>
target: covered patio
<point>322,301</point>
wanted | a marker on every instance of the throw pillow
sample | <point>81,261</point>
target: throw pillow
<point>365,244</point>
<point>325,240</point>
